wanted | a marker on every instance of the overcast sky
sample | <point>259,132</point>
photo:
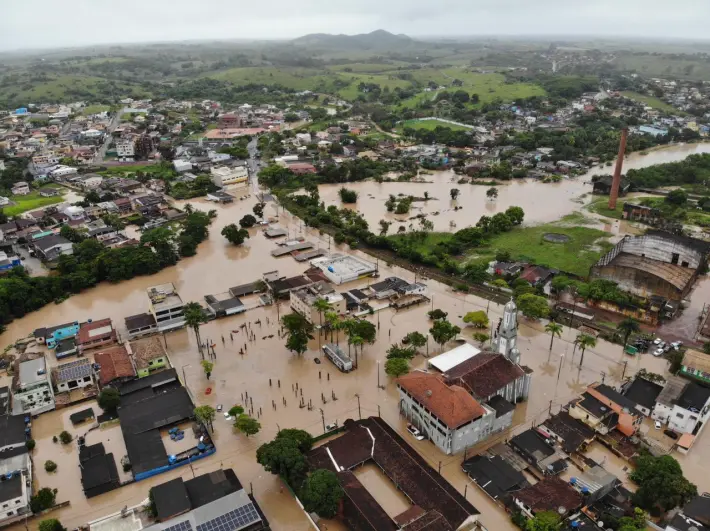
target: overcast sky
<point>55,23</point>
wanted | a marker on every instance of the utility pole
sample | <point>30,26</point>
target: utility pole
<point>603,376</point>
<point>359,414</point>
<point>623,373</point>
<point>549,410</point>
<point>322,418</point>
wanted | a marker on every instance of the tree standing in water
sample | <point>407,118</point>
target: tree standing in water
<point>194,317</point>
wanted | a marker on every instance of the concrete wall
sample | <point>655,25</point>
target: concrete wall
<point>638,282</point>
<point>662,249</point>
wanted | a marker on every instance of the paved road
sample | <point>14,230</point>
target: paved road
<point>99,158</point>
<point>254,163</point>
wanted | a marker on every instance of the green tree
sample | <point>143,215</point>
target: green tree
<point>384,227</point>
<point>194,317</point>
<point>677,197</point>
<point>405,352</point>
<point>258,209</point>
<point>635,522</point>
<point>44,499</point>
<point>554,329</point>
<point>662,485</point>
<point>51,524</point>
<point>454,193</point>
<point>207,366</point>
<point>234,234</point>
<point>415,339</point>
<point>492,192</point>
<point>627,327</point>
<point>284,457</point>
<point>321,306</point>
<point>206,415</point>
<point>396,367</point>
<point>50,466</point>
<point>65,437</point>
<point>301,438</point>
<point>347,196</point>
<point>481,337</point>
<point>109,399</point>
<point>443,331</point>
<point>533,306</point>
<point>247,425</point>
<point>298,332</point>
<point>235,411</point>
<point>322,493</point>
<point>437,314</point>
<point>247,221</point>
<point>515,215</point>
<point>544,521</point>
<point>585,341</point>
<point>477,319</point>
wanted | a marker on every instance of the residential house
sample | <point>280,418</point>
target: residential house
<point>698,510</point>
<point>392,286</point>
<point>302,168</point>
<point>166,306</point>
<point>141,325</point>
<point>667,398</point>
<point>99,473</point>
<point>53,335</point>
<point>550,494</point>
<point>15,493</point>
<point>447,414</point>
<point>604,409</point>
<point>225,176</point>
<point>538,450</point>
<point>495,476</point>
<point>32,391</point>
<point>148,354</point>
<point>643,393</point>
<point>76,374</point>
<point>114,365</point>
<point>125,148</point>
<point>94,334</point>
<point>690,413</point>
<point>216,499</point>
<point>75,213</point>
<point>49,248</point>
<point>182,165</point>
<point>20,188</point>
<point>595,483</point>
<point>537,275</point>
<point>303,301</point>
<point>644,214</point>
<point>696,366</point>
<point>91,181</point>
<point>572,435</point>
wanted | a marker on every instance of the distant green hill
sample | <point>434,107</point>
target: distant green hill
<point>365,41</point>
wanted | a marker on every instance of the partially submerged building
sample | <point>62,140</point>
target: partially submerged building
<point>344,268</point>
<point>32,391</point>
<point>435,503</point>
<point>303,301</point>
<point>657,264</point>
<point>149,355</point>
<point>166,306</point>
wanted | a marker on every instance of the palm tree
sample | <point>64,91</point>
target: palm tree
<point>349,327</point>
<point>194,317</point>
<point>321,306</point>
<point>553,329</point>
<point>628,326</point>
<point>584,341</point>
<point>356,341</point>
<point>333,320</point>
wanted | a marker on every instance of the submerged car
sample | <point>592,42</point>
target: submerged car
<point>415,432</point>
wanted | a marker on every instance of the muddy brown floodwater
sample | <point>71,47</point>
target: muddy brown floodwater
<point>219,266</point>
<point>542,202</point>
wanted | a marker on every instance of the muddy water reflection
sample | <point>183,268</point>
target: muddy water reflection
<point>557,376</point>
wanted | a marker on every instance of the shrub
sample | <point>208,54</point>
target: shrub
<point>50,466</point>
<point>31,444</point>
<point>65,437</point>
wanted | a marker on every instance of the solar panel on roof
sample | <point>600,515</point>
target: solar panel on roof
<point>180,526</point>
<point>233,520</point>
<point>74,370</point>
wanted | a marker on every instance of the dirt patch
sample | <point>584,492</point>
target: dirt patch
<point>555,237</point>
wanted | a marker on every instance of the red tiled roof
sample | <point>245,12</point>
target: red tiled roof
<point>115,363</point>
<point>86,328</point>
<point>549,495</point>
<point>485,373</point>
<point>453,405</point>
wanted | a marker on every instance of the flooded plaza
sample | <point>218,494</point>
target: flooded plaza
<point>268,373</point>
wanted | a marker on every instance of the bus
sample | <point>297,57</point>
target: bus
<point>339,358</point>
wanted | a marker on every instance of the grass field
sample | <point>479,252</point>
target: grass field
<point>368,67</point>
<point>64,88</point>
<point>650,101</point>
<point>431,125</point>
<point>31,201</point>
<point>585,247</point>
<point>601,206</point>
<point>295,78</point>
<point>95,109</point>
<point>351,92</point>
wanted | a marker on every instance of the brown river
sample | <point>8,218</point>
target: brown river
<point>218,266</point>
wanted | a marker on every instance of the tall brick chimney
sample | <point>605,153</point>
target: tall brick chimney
<point>616,181</point>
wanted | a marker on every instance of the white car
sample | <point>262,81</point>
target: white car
<point>658,352</point>
<point>676,345</point>
<point>658,425</point>
<point>415,432</point>
<point>657,341</point>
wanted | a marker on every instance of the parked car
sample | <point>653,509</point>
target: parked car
<point>673,435</point>
<point>676,345</point>
<point>658,425</point>
<point>331,427</point>
<point>657,341</point>
<point>415,432</point>
<point>658,352</point>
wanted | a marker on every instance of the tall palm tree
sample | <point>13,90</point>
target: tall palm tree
<point>356,341</point>
<point>627,327</point>
<point>349,327</point>
<point>553,329</point>
<point>321,306</point>
<point>584,341</point>
<point>333,321</point>
<point>194,317</point>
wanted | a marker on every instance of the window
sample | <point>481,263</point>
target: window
<point>4,505</point>
<point>679,415</point>
<point>693,418</point>
<point>674,259</point>
<point>87,378</point>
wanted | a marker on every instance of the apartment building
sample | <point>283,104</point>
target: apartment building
<point>166,307</point>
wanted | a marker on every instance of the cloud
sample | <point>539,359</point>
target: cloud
<point>49,23</point>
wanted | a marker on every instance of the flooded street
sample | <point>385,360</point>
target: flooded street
<point>268,372</point>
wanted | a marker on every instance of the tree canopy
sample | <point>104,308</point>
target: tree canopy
<point>109,399</point>
<point>662,485</point>
<point>322,493</point>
